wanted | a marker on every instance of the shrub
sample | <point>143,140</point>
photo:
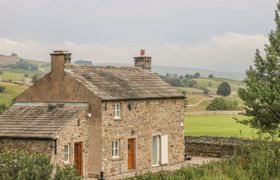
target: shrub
<point>21,165</point>
<point>220,104</point>
<point>68,172</point>
<point>258,160</point>
<point>3,107</point>
<point>2,89</point>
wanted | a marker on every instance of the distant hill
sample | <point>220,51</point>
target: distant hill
<point>44,67</point>
<point>8,60</point>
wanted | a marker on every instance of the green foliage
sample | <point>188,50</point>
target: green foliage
<point>66,173</point>
<point>83,62</point>
<point>211,76</point>
<point>16,165</point>
<point>2,89</point>
<point>3,107</point>
<point>35,78</point>
<point>224,89</point>
<point>19,165</point>
<point>22,64</point>
<point>259,160</point>
<point>262,86</point>
<point>1,72</point>
<point>197,75</point>
<point>220,104</point>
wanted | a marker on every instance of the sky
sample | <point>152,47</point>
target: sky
<point>217,35</point>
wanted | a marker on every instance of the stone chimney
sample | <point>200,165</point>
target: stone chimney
<point>143,61</point>
<point>59,59</point>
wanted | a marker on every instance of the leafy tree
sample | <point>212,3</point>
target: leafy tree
<point>1,72</point>
<point>211,76</point>
<point>25,75</point>
<point>196,75</point>
<point>224,89</point>
<point>261,93</point>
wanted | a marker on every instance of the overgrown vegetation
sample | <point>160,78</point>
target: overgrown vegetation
<point>21,165</point>
<point>258,161</point>
<point>222,104</point>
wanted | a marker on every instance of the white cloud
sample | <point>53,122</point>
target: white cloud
<point>227,52</point>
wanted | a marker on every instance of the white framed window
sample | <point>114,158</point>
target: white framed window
<point>117,111</point>
<point>116,149</point>
<point>159,150</point>
<point>67,153</point>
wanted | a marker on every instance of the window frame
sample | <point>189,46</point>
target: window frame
<point>117,111</point>
<point>116,149</point>
<point>68,153</point>
<point>158,150</point>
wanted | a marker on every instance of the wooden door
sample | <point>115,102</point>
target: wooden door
<point>131,154</point>
<point>79,157</point>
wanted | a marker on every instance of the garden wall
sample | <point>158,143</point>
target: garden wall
<point>208,146</point>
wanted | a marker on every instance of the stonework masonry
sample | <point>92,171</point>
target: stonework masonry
<point>28,145</point>
<point>145,119</point>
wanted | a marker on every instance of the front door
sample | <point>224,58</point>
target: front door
<point>79,157</point>
<point>131,154</point>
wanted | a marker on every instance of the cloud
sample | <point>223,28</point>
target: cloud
<point>227,52</point>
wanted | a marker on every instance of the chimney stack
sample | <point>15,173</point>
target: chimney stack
<point>59,59</point>
<point>143,61</point>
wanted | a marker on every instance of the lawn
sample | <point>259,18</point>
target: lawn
<point>12,90</point>
<point>217,125</point>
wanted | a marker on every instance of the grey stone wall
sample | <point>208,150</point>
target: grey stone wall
<point>28,145</point>
<point>143,120</point>
<point>208,146</point>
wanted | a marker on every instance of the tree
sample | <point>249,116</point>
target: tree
<point>224,89</point>
<point>261,93</point>
<point>35,78</point>
<point>211,76</point>
<point>196,75</point>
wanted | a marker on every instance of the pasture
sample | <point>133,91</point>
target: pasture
<point>217,125</point>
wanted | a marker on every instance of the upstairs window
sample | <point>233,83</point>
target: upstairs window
<point>67,153</point>
<point>117,111</point>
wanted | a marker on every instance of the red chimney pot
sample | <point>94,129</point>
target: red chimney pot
<point>142,52</point>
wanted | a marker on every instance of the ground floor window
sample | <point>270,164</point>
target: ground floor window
<point>116,148</point>
<point>159,150</point>
<point>66,153</point>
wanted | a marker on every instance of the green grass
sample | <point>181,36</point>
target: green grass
<point>212,84</point>
<point>12,90</point>
<point>217,125</point>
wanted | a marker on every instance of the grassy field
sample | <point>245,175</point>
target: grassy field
<point>217,125</point>
<point>12,90</point>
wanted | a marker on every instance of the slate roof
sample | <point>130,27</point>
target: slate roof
<point>122,83</point>
<point>37,120</point>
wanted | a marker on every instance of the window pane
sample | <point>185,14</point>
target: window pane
<point>155,150</point>
<point>66,153</point>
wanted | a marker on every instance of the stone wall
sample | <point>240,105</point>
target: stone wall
<point>211,146</point>
<point>74,132</point>
<point>28,145</point>
<point>55,88</point>
<point>142,121</point>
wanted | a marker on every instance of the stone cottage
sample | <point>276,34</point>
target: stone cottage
<point>117,120</point>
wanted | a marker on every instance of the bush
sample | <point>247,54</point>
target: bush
<point>258,160</point>
<point>222,104</point>
<point>2,89</point>
<point>3,107</point>
<point>21,165</point>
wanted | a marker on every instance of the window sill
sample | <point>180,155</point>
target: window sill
<point>117,158</point>
<point>117,118</point>
<point>155,165</point>
<point>67,163</point>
